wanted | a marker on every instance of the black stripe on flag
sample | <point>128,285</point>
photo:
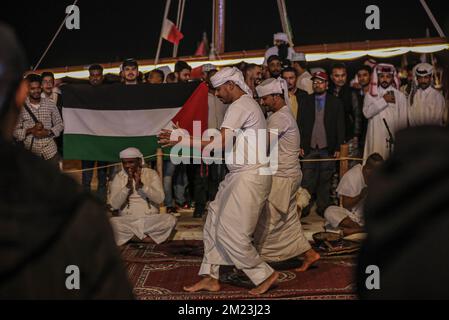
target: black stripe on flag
<point>127,97</point>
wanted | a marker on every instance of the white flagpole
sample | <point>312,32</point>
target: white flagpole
<point>167,7</point>
<point>53,39</point>
<point>179,24</point>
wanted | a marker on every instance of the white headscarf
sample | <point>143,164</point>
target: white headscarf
<point>422,70</point>
<point>230,74</point>
<point>382,68</point>
<point>131,153</point>
<point>273,86</point>
<point>280,36</point>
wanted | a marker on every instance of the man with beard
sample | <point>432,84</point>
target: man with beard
<point>339,88</point>
<point>182,71</point>
<point>296,96</point>
<point>426,104</point>
<point>228,232</point>
<point>130,72</point>
<point>96,79</point>
<point>322,126</point>
<point>253,76</point>
<point>304,78</point>
<point>360,90</point>
<point>47,222</point>
<point>353,188</point>
<point>279,235</point>
<point>281,49</point>
<point>136,193</point>
<point>209,176</point>
<point>39,123</point>
<point>274,66</point>
<point>384,103</point>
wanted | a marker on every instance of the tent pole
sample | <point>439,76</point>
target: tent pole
<point>432,18</point>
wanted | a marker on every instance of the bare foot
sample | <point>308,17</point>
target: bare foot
<point>266,285</point>
<point>207,283</point>
<point>310,257</point>
<point>148,240</point>
<point>350,231</point>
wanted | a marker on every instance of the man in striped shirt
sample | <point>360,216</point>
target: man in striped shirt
<point>39,123</point>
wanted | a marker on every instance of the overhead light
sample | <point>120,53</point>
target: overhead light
<point>341,55</point>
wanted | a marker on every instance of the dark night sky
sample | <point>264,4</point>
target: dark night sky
<point>113,30</point>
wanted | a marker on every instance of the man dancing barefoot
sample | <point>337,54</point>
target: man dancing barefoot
<point>233,215</point>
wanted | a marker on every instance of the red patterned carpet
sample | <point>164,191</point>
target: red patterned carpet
<point>158,272</point>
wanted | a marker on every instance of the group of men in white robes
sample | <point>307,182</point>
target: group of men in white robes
<point>249,213</point>
<point>388,110</point>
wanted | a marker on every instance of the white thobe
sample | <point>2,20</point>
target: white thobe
<point>428,108</point>
<point>279,235</point>
<point>232,217</point>
<point>139,216</point>
<point>375,109</point>
<point>351,185</point>
<point>274,51</point>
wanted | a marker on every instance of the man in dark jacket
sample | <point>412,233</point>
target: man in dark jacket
<point>322,129</point>
<point>55,240</point>
<point>339,88</point>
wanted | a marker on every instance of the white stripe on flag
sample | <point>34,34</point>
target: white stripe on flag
<point>121,123</point>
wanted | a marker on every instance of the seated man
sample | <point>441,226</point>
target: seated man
<point>353,189</point>
<point>136,193</point>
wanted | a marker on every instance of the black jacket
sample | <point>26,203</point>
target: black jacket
<point>334,123</point>
<point>345,96</point>
<point>46,224</point>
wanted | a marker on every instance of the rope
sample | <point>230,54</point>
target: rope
<point>53,40</point>
<point>210,158</point>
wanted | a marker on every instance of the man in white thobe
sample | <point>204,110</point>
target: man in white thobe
<point>426,104</point>
<point>136,194</point>
<point>279,235</point>
<point>384,101</point>
<point>281,43</point>
<point>353,188</point>
<point>304,80</point>
<point>232,217</point>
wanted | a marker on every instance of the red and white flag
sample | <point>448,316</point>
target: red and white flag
<point>171,33</point>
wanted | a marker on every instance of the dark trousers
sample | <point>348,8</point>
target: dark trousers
<point>101,174</point>
<point>206,181</point>
<point>317,177</point>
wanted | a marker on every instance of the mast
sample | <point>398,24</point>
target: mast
<point>219,26</point>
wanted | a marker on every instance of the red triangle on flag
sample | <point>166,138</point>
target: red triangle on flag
<point>194,109</point>
<point>201,50</point>
<point>171,33</point>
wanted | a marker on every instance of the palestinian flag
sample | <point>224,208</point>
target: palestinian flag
<point>101,121</point>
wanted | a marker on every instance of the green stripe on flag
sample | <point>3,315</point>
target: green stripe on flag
<point>87,147</point>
